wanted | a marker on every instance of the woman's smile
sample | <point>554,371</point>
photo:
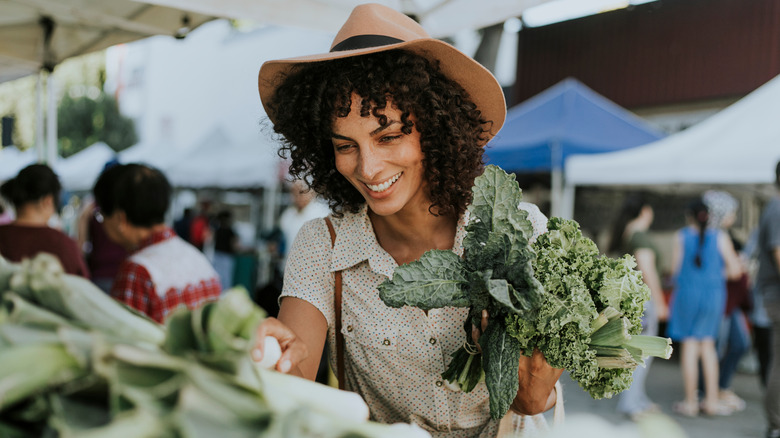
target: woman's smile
<point>379,188</point>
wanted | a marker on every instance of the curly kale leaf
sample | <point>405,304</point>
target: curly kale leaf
<point>621,286</point>
<point>436,280</point>
<point>579,283</point>
<point>609,381</point>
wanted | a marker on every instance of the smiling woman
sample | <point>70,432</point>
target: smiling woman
<point>389,127</point>
<point>382,162</point>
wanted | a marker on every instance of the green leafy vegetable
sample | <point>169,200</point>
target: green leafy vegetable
<point>66,372</point>
<point>582,310</point>
<point>495,273</point>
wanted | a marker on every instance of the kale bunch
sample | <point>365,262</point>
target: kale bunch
<point>580,309</point>
<point>590,318</point>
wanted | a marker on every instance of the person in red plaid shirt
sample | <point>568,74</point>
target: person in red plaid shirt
<point>162,272</point>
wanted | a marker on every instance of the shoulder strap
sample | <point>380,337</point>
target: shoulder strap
<point>337,311</point>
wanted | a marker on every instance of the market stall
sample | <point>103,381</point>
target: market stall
<point>737,147</point>
<point>565,120</point>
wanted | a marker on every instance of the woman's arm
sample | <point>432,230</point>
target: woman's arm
<point>730,257</point>
<point>301,330</point>
<point>645,261</point>
<point>677,254</point>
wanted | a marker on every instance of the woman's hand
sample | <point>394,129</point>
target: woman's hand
<point>294,351</point>
<point>536,391</point>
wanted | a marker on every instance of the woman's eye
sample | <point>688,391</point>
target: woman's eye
<point>343,147</point>
<point>389,138</point>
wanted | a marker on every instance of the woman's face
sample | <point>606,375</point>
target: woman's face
<point>383,163</point>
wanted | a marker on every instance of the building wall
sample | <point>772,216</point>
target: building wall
<point>657,54</point>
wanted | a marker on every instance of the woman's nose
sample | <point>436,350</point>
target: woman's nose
<point>369,164</point>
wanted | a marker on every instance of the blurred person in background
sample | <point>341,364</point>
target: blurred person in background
<point>183,224</point>
<point>162,271</point>
<point>102,254</point>
<point>701,255</point>
<point>630,236</point>
<point>304,207</point>
<point>760,323</point>
<point>34,193</point>
<point>734,338</point>
<point>200,227</point>
<point>225,248</point>
<point>768,282</point>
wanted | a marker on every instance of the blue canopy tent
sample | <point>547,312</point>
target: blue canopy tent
<point>566,119</point>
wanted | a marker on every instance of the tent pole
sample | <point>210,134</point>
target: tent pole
<point>567,201</point>
<point>557,188</point>
<point>51,121</point>
<point>39,116</point>
<point>557,179</point>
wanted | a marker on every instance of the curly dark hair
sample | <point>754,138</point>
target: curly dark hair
<point>452,129</point>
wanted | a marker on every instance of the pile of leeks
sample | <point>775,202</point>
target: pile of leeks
<point>76,363</point>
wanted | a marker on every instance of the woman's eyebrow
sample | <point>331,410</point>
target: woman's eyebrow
<point>382,128</point>
<point>374,132</point>
<point>340,137</point>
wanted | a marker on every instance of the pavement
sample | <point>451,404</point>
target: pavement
<point>664,387</point>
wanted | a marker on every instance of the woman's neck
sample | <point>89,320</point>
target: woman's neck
<point>407,235</point>
<point>32,215</point>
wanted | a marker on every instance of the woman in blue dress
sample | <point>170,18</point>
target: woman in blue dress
<point>703,257</point>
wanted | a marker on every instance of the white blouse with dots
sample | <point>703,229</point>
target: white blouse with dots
<point>393,357</point>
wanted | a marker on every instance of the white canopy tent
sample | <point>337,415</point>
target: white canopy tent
<point>740,145</point>
<point>440,18</point>
<point>80,171</point>
<point>36,35</point>
<point>12,160</point>
<point>219,162</point>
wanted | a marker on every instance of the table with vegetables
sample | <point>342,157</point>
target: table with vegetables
<point>76,363</point>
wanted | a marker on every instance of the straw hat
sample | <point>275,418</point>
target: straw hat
<point>373,28</point>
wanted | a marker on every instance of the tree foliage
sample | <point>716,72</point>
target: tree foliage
<point>83,121</point>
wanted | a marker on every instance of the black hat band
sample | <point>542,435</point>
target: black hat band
<point>364,42</point>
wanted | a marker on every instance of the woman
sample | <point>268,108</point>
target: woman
<point>734,337</point>
<point>34,193</point>
<point>630,236</point>
<point>389,128</point>
<point>701,255</point>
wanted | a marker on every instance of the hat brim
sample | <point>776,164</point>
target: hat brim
<point>482,87</point>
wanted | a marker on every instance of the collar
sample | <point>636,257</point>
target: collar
<point>156,237</point>
<point>356,243</point>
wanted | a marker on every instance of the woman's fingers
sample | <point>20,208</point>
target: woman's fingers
<point>476,332</point>
<point>537,380</point>
<point>293,350</point>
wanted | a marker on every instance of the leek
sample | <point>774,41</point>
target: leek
<point>32,368</point>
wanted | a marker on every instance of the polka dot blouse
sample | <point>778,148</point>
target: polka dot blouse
<point>393,357</point>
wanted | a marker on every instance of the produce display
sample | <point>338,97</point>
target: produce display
<point>582,310</point>
<point>77,363</point>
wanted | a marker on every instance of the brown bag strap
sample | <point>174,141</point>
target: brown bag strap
<point>337,310</point>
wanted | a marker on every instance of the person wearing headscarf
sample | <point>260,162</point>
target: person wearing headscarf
<point>734,337</point>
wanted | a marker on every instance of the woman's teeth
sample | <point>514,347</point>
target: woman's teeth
<point>385,185</point>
